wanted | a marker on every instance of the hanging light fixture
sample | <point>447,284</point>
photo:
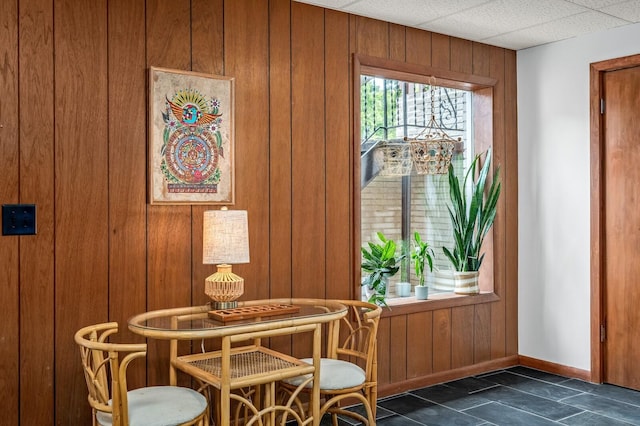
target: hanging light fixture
<point>432,148</point>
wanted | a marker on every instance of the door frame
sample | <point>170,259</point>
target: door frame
<point>598,250</point>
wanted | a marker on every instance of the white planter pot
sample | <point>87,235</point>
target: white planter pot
<point>422,292</point>
<point>403,289</point>
<point>466,283</point>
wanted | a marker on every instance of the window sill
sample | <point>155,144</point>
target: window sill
<point>410,305</point>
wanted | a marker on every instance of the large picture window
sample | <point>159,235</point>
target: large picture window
<point>396,197</point>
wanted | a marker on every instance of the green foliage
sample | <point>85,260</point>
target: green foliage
<point>380,262</point>
<point>471,218</point>
<point>421,252</point>
<point>374,108</point>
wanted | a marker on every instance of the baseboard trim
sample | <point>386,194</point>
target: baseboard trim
<point>552,367</point>
<point>484,367</point>
<point>446,376</point>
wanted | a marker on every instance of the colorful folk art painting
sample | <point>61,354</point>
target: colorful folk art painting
<point>191,138</point>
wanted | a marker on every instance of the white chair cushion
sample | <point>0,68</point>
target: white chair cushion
<point>334,374</point>
<point>160,406</point>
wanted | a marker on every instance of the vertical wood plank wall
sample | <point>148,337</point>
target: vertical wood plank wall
<point>9,193</point>
<point>73,141</point>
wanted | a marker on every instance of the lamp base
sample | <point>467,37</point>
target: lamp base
<point>224,287</point>
<point>219,306</point>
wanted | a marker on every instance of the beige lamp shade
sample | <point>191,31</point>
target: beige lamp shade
<point>225,241</point>
<point>225,237</point>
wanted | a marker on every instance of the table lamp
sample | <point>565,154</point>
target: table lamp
<point>225,241</point>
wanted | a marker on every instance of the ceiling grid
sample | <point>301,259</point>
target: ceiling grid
<point>512,24</point>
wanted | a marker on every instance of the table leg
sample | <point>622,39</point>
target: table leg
<point>315,394</point>
<point>225,382</point>
<point>173,353</point>
<point>269,401</point>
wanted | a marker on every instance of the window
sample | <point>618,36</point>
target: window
<point>394,198</point>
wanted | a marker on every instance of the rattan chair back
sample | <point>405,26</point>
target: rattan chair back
<point>105,370</point>
<point>350,371</point>
<point>357,343</point>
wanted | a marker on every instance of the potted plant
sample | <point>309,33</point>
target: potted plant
<point>403,288</point>
<point>421,252</point>
<point>472,214</point>
<point>380,262</point>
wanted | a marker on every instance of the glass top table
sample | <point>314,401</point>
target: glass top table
<point>252,320</point>
<point>197,322</point>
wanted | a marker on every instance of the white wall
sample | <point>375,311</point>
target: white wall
<point>554,197</point>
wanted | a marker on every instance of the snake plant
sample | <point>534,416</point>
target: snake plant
<point>472,214</point>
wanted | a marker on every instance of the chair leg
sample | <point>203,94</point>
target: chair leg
<point>334,419</point>
<point>372,397</point>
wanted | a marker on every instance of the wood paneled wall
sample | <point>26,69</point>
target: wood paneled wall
<point>73,131</point>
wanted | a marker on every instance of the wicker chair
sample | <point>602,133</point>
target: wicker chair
<point>350,370</point>
<point>112,404</point>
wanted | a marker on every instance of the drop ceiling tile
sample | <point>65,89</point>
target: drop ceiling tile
<point>561,29</point>
<point>596,4</point>
<point>514,24</point>
<point>410,12</point>
<point>460,27</point>
<point>628,10</point>
<point>500,16</point>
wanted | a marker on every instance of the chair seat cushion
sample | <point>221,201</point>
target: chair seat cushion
<point>334,374</point>
<point>160,406</point>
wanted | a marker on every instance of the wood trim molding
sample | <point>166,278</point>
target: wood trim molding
<point>483,89</point>
<point>355,178</point>
<point>596,225</point>
<point>551,367</point>
<point>485,367</point>
<point>410,305</point>
<point>598,251</point>
<point>421,73</point>
<point>445,376</point>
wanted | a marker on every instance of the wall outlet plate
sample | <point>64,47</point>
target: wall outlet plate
<point>18,219</point>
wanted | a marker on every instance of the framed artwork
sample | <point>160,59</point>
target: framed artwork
<point>191,138</point>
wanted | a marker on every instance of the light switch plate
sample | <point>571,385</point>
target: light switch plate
<point>18,219</point>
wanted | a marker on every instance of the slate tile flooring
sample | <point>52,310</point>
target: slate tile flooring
<point>514,396</point>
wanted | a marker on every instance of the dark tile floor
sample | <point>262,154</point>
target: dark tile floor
<point>515,396</point>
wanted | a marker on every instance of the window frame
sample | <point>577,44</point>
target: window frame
<point>482,109</point>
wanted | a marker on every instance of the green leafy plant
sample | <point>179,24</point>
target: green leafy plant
<point>380,262</point>
<point>472,214</point>
<point>421,252</point>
